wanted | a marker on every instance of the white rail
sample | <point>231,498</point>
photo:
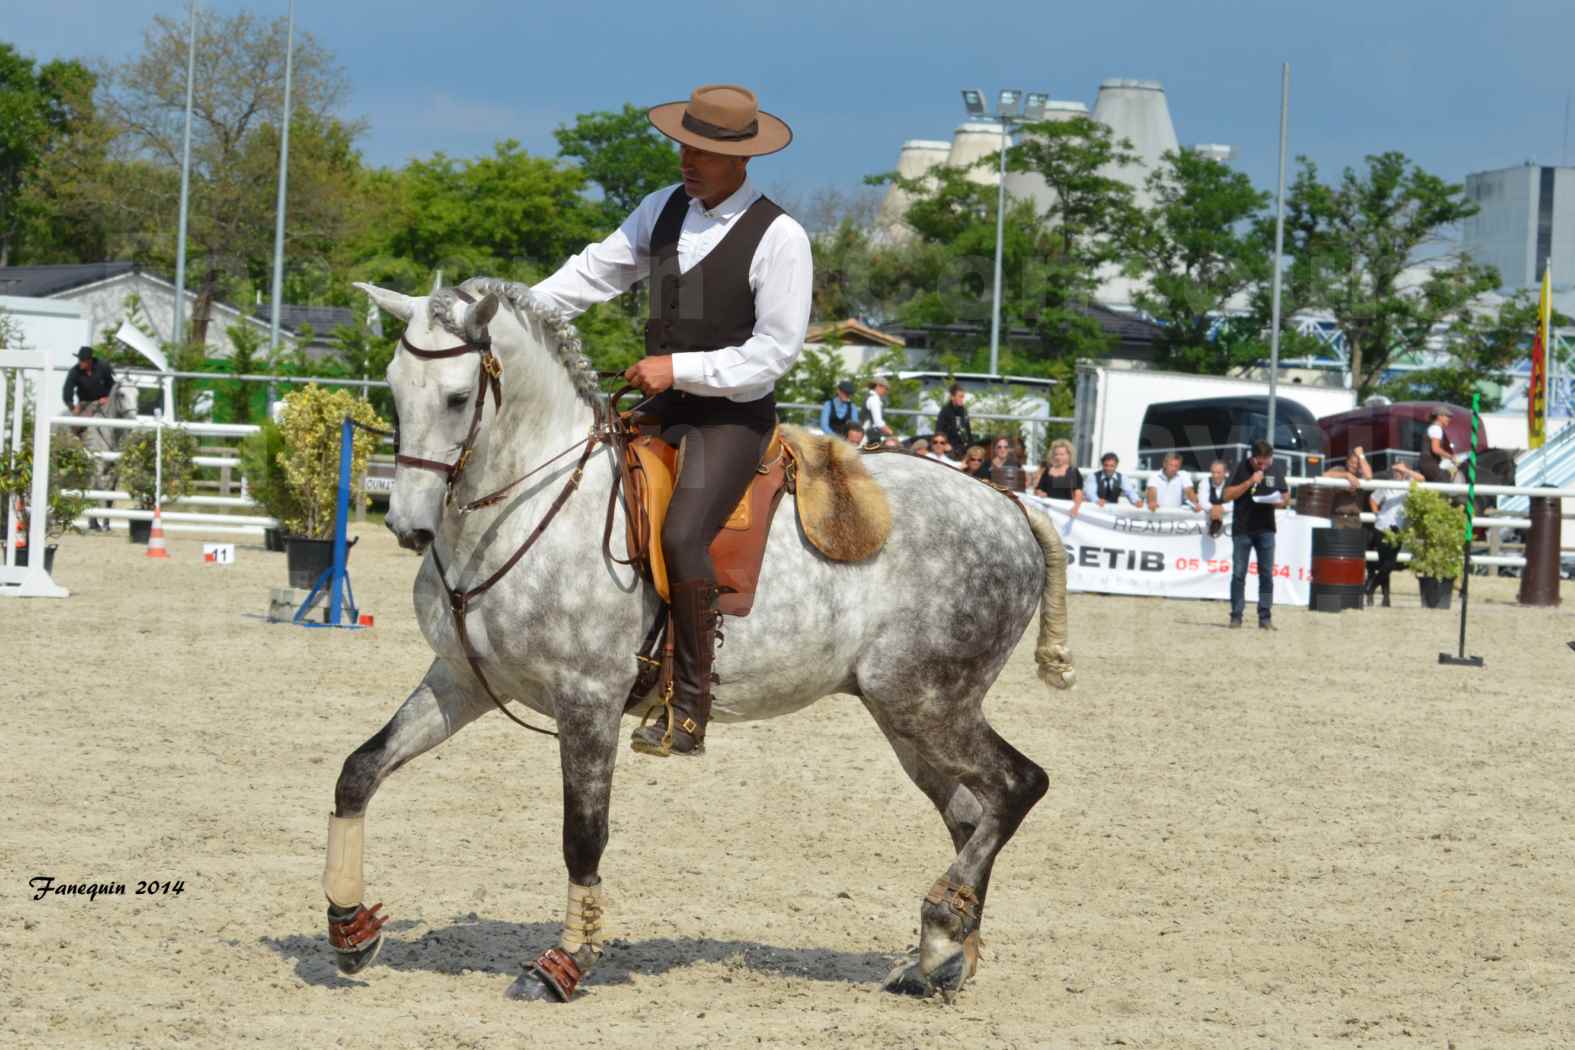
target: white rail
<point>190,426</point>
<point>238,502</point>
<point>117,514</point>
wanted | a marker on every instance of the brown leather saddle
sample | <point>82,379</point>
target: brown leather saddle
<point>649,468</point>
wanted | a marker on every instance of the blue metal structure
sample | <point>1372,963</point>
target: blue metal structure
<point>336,578</point>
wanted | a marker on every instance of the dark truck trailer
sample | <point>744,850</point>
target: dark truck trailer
<point>1395,433</point>
<point>1205,429</point>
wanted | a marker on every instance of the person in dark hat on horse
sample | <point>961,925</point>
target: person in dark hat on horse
<point>730,280</point>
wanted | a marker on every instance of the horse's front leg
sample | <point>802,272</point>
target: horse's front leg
<point>437,710</point>
<point>587,750</point>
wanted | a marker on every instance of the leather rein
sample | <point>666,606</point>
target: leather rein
<point>489,379</point>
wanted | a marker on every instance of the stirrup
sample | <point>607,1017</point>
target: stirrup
<point>664,748</point>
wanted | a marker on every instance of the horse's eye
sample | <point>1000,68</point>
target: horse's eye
<point>458,399</point>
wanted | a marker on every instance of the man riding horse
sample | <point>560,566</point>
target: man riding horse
<point>730,281</point>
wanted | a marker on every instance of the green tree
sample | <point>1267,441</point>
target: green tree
<point>623,155</point>
<point>1195,250</point>
<point>40,108</point>
<point>239,87</point>
<point>1480,348</point>
<point>1356,248</point>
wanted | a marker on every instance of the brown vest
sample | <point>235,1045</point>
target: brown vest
<point>711,305</point>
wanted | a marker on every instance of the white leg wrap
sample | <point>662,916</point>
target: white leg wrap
<point>342,878</point>
<point>582,920</point>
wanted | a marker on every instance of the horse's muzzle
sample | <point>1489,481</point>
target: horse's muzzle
<point>416,540</point>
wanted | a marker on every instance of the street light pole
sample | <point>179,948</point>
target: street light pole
<point>178,327</point>
<point>284,170</point>
<point>1000,232</point>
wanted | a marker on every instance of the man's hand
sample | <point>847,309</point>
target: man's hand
<point>104,400</point>
<point>1256,479</point>
<point>651,374</point>
<point>76,410</point>
<point>1353,481</point>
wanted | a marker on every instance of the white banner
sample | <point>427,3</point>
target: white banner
<point>1171,555</point>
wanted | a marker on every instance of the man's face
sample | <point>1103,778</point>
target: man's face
<point>1261,462</point>
<point>1217,473</point>
<point>856,435</point>
<point>710,177</point>
<point>958,397</point>
<point>1108,465</point>
<point>85,363</point>
<point>940,444</point>
<point>1171,466</point>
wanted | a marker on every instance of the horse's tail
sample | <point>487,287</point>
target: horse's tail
<point>1050,653</point>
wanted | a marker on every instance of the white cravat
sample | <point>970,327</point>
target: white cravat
<point>781,275</point>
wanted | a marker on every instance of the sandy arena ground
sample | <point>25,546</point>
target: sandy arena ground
<point>1308,838</point>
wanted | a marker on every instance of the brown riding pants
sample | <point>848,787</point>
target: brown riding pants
<point>716,462</point>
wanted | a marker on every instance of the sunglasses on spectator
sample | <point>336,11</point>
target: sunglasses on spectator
<point>973,459</point>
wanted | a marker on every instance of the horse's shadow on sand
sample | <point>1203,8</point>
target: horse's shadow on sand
<point>493,946</point>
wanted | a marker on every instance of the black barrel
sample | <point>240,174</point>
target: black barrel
<point>1339,569</point>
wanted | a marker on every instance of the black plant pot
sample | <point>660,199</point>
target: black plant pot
<point>306,560</point>
<point>139,531</point>
<point>1436,593</point>
<point>273,540</point>
<point>49,558</point>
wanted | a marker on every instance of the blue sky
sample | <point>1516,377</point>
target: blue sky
<point>1459,87</point>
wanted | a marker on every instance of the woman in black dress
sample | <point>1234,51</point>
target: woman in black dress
<point>1058,478</point>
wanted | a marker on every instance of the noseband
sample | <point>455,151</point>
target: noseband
<point>488,377</point>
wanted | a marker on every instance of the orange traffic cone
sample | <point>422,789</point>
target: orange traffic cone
<point>156,548</point>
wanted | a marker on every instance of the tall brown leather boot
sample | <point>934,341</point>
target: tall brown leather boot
<point>679,729</point>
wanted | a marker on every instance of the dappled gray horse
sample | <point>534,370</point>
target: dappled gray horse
<point>557,635</point>
<point>96,439</point>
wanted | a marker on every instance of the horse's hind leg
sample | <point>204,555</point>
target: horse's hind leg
<point>437,710</point>
<point>984,788</point>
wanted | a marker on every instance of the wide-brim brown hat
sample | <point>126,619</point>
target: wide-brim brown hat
<point>722,118</point>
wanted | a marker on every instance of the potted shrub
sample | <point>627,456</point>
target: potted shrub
<point>309,428</point>
<point>1434,533</point>
<point>135,471</point>
<point>266,483</point>
<point>70,470</point>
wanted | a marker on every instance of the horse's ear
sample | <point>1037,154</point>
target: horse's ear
<point>396,304</point>
<point>479,316</point>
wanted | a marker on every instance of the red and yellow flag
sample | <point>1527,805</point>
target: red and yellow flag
<point>1541,346</point>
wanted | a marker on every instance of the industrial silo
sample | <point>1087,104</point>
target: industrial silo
<point>1031,184</point>
<point>915,160</point>
<point>973,141</point>
<point>1136,110</point>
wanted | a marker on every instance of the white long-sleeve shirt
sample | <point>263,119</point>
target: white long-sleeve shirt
<point>873,407</point>
<point>781,275</point>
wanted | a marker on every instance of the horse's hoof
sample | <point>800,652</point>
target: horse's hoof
<point>531,987</point>
<point>356,935</point>
<point>552,978</point>
<point>906,979</point>
<point>356,961</point>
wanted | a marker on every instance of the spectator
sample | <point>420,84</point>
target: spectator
<point>1109,485</point>
<point>874,410</point>
<point>1058,478</point>
<point>1211,496</point>
<point>1346,507</point>
<point>1438,455</point>
<point>920,446</point>
<point>1002,468</point>
<point>953,420</point>
<point>973,462</point>
<point>1170,488</point>
<point>855,435</point>
<point>838,414</point>
<point>1258,489</point>
<point>941,449</point>
<point>1389,506</point>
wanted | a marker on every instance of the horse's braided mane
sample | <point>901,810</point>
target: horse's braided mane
<point>522,299</point>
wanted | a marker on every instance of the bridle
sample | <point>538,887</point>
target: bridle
<point>489,377</point>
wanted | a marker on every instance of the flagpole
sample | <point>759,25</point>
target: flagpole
<point>284,167</point>
<point>178,329</point>
<point>1279,253</point>
<point>1547,366</point>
